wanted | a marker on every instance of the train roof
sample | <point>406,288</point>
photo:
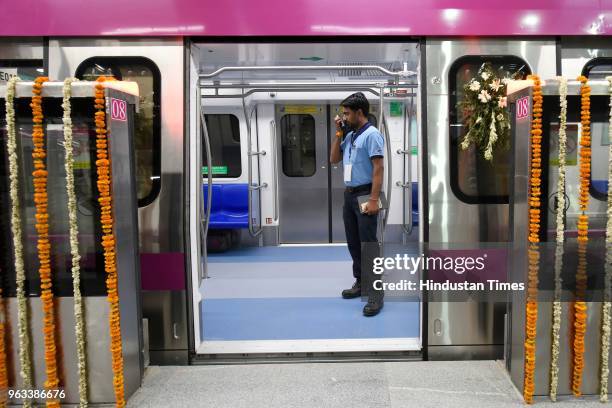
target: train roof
<point>309,18</point>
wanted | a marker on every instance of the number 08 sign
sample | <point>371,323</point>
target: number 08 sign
<point>118,109</point>
<point>522,107</point>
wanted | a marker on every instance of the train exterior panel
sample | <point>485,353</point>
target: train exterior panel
<point>170,47</point>
<point>160,172</point>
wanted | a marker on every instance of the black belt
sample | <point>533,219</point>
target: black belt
<point>364,188</point>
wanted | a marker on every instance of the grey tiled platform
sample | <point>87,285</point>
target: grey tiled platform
<point>395,384</point>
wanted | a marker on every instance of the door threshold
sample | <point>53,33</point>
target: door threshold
<point>296,358</point>
<point>309,346</point>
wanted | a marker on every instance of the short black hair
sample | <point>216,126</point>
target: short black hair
<point>357,101</point>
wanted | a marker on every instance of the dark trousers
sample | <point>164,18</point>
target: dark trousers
<point>362,242</point>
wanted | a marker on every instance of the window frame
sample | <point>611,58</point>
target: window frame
<point>315,143</point>
<point>592,63</point>
<point>24,63</point>
<point>115,62</point>
<point>453,114</point>
<point>237,116</point>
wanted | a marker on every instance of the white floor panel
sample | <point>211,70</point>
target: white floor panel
<point>281,279</point>
<point>310,346</point>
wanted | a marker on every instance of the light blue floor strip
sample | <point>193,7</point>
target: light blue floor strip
<point>293,293</point>
<point>305,318</point>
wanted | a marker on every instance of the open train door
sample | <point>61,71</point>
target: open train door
<point>267,120</point>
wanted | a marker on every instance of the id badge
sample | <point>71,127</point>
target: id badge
<point>348,168</point>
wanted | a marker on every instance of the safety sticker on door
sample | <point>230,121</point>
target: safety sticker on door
<point>118,109</point>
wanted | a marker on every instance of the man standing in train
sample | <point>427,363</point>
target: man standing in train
<point>361,152</point>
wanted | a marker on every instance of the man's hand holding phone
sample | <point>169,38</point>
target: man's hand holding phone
<point>339,122</point>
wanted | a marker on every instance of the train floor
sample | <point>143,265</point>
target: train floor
<point>422,384</point>
<point>293,293</point>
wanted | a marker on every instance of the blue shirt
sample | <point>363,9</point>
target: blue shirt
<point>358,148</point>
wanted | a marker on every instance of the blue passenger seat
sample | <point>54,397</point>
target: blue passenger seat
<point>601,186</point>
<point>230,206</point>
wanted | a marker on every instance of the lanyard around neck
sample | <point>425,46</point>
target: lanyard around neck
<point>355,135</point>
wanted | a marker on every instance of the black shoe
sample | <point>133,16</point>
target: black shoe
<point>353,292</point>
<point>373,307</point>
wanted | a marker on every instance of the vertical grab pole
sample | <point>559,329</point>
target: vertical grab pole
<point>406,183</point>
<point>408,144</point>
<point>252,186</point>
<point>247,120</point>
<point>275,167</point>
<point>385,132</point>
<point>205,214</point>
<point>385,128</point>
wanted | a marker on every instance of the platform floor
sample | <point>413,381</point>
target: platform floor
<point>421,384</point>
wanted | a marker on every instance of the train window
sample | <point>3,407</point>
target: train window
<point>475,180</point>
<point>147,126</point>
<point>27,70</point>
<point>224,132</point>
<point>298,145</point>
<point>599,68</point>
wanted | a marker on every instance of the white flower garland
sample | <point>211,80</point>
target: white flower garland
<point>606,305</point>
<point>25,362</point>
<point>483,114</point>
<point>488,154</point>
<point>74,242</point>
<point>556,323</point>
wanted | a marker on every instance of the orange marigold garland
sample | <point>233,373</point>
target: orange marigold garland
<point>108,238</point>
<point>39,174</point>
<point>531,309</point>
<point>3,371</point>
<point>580,306</point>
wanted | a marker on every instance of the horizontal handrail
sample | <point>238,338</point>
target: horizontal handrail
<point>275,68</point>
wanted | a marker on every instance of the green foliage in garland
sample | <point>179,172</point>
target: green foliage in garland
<point>484,113</point>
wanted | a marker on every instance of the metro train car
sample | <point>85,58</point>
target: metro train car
<point>242,245</point>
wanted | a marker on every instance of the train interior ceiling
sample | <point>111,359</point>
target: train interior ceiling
<point>275,267</point>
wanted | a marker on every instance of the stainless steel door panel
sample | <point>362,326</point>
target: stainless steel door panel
<point>304,213</point>
<point>337,189</point>
<point>337,202</point>
<point>440,53</point>
<point>450,219</point>
<point>66,54</point>
<point>167,326</point>
<point>465,323</point>
<point>167,316</point>
<point>574,56</point>
<point>161,228</point>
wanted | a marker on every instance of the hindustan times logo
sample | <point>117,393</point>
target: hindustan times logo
<point>459,264</point>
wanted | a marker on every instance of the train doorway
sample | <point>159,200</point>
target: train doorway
<point>274,260</point>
